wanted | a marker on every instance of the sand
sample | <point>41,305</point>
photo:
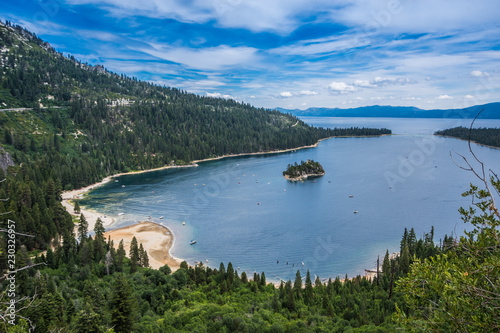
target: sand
<point>90,216</point>
<point>156,239</point>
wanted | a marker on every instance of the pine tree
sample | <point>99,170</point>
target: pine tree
<point>134,255</point>
<point>386,268</point>
<point>308,289</point>
<point>297,285</point>
<point>76,209</point>
<point>263,279</point>
<point>244,278</point>
<point>404,240</point>
<point>404,260</point>
<point>230,273</point>
<point>145,260</point>
<point>122,305</point>
<point>99,241</point>
<point>412,241</point>
<point>120,256</point>
<point>143,257</point>
<point>82,229</point>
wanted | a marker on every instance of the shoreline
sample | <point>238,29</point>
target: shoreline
<point>303,177</point>
<point>73,194</point>
<point>77,193</point>
<point>472,141</point>
<point>91,216</point>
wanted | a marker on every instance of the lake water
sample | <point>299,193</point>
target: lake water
<point>243,210</point>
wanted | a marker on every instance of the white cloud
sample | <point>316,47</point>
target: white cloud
<point>477,73</point>
<point>444,97</point>
<point>417,16</point>
<point>341,87</point>
<point>469,97</point>
<point>281,16</point>
<point>363,83</point>
<point>286,94</point>
<point>323,45</point>
<point>219,95</point>
<point>211,58</point>
<point>308,93</point>
<point>382,82</point>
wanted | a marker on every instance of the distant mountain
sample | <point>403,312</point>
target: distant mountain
<point>491,111</point>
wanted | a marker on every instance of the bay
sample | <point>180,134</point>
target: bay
<point>242,210</point>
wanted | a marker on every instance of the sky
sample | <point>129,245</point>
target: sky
<point>292,54</point>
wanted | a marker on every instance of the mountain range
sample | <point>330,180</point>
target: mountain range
<point>491,111</point>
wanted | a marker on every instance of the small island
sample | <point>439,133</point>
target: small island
<point>301,171</point>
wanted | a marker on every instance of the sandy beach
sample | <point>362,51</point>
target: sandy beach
<point>90,216</point>
<point>156,239</point>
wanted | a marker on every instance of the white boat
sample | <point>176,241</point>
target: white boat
<point>193,241</point>
<point>120,214</point>
<point>161,217</point>
<point>355,212</point>
<point>123,185</point>
<point>183,223</point>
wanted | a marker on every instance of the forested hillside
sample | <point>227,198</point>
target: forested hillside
<point>485,136</point>
<point>90,287</point>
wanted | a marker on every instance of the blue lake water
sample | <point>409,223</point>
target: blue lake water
<point>243,210</point>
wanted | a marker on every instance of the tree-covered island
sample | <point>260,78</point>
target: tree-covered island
<point>301,171</point>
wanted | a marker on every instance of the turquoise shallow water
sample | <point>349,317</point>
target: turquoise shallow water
<point>242,210</point>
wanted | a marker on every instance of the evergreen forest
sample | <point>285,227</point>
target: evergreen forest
<point>484,136</point>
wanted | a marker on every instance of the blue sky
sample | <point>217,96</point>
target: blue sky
<point>286,53</point>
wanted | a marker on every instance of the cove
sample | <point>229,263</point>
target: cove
<point>242,210</point>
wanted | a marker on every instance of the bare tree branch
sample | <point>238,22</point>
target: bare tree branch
<point>22,269</point>
<point>482,175</point>
<point>17,233</point>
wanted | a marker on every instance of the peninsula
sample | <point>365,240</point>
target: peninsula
<point>301,171</point>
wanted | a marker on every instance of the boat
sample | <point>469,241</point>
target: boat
<point>123,185</point>
<point>351,196</point>
<point>183,223</point>
<point>192,242</point>
<point>161,217</point>
<point>116,181</point>
<point>120,214</point>
<point>355,212</point>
